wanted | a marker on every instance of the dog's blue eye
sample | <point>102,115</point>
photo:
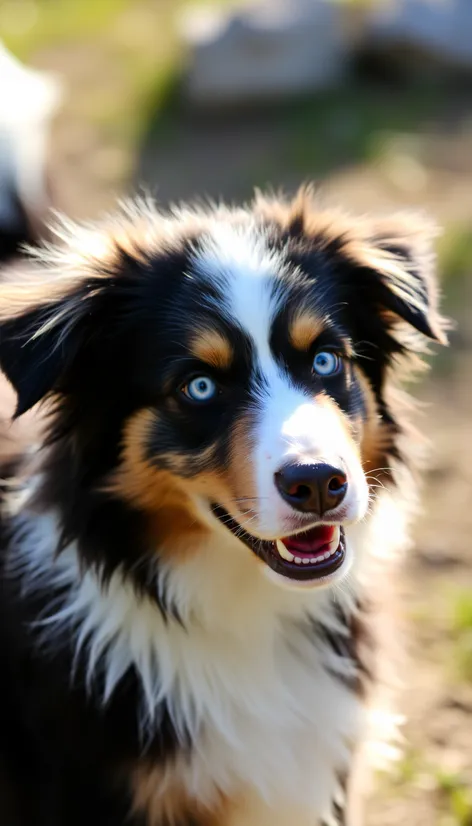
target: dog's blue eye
<point>200,389</point>
<point>327,363</point>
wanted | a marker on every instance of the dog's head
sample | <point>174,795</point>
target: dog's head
<point>220,372</point>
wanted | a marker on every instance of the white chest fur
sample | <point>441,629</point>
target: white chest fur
<point>283,740</point>
<point>248,677</point>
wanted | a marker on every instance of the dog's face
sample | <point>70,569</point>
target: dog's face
<point>225,374</point>
<point>260,410</point>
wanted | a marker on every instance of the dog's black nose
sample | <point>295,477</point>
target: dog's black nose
<point>312,488</point>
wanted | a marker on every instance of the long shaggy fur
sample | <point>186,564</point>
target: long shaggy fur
<point>163,663</point>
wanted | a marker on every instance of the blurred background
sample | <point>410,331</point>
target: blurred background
<point>369,98</point>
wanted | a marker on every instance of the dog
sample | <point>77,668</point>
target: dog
<point>185,632</point>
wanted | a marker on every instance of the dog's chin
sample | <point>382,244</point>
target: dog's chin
<point>308,559</point>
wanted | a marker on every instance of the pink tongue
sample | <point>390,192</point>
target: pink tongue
<point>310,541</point>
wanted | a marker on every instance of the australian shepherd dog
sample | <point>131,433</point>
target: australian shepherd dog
<point>219,454</point>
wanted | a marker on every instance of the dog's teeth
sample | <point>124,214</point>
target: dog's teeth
<point>333,545</point>
<point>305,560</point>
<point>283,551</point>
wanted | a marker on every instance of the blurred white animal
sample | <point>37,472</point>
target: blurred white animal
<point>28,102</point>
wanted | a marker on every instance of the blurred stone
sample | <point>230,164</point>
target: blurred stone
<point>435,557</point>
<point>28,102</point>
<point>266,50</point>
<point>437,29</point>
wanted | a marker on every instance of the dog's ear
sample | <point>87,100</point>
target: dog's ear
<point>390,278</point>
<point>408,275</point>
<point>385,267</point>
<point>43,326</point>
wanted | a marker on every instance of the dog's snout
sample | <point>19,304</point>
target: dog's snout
<point>312,488</point>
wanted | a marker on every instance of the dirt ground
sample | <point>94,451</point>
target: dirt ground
<point>424,162</point>
<point>433,781</point>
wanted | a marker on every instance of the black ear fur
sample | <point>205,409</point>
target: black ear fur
<point>413,297</point>
<point>393,274</point>
<point>38,346</point>
<point>34,363</point>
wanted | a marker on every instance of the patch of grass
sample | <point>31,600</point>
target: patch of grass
<point>462,655</point>
<point>453,797</point>
<point>455,260</point>
<point>462,611</point>
<point>456,799</point>
<point>415,773</point>
<point>454,249</point>
<point>461,633</point>
<point>355,123</point>
<point>30,25</point>
<point>407,769</point>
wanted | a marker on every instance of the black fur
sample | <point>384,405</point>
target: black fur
<point>56,741</point>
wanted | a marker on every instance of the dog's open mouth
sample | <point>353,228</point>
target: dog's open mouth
<point>313,554</point>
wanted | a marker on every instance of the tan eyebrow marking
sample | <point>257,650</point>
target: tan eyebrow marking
<point>304,328</point>
<point>212,347</point>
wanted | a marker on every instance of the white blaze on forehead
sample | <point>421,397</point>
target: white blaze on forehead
<point>290,425</point>
<point>240,262</point>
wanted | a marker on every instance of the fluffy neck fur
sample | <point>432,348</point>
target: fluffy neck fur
<point>230,610</point>
<point>261,678</point>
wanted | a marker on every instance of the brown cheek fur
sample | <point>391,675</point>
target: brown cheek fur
<point>159,493</point>
<point>161,797</point>
<point>241,471</point>
<point>165,496</point>
<point>376,437</point>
